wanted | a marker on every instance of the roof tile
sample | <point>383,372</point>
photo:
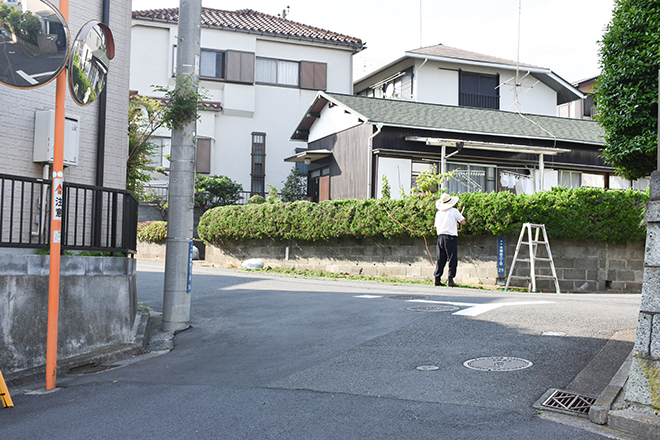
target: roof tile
<point>253,21</point>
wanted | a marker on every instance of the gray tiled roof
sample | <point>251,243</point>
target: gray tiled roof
<point>248,20</point>
<point>464,55</point>
<point>470,120</point>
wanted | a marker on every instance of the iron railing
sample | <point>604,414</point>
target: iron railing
<point>94,218</point>
<point>479,100</point>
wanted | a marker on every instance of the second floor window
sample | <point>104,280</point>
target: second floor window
<point>212,64</point>
<point>280,72</point>
<point>478,90</point>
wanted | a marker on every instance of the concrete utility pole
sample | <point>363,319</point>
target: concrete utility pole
<point>178,257</point>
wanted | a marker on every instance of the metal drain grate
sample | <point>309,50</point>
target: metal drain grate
<point>408,297</point>
<point>433,308</point>
<point>565,401</point>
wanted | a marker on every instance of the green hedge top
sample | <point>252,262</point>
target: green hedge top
<point>607,216</point>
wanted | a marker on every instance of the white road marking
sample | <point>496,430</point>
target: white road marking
<point>477,309</point>
<point>27,77</point>
<point>368,296</point>
<point>31,78</point>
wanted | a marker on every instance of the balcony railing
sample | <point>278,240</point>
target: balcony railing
<point>479,101</point>
<point>94,218</point>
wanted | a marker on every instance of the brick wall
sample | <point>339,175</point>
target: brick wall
<point>19,106</point>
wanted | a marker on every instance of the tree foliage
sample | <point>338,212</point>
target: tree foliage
<point>295,186</point>
<point>627,90</point>
<point>212,191</point>
<point>144,118</point>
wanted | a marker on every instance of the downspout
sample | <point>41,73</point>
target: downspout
<point>417,77</point>
<point>100,144</point>
<point>379,127</point>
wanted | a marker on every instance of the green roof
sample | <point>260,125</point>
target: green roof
<point>449,118</point>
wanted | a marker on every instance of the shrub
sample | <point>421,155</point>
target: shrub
<point>607,216</point>
<point>153,232</point>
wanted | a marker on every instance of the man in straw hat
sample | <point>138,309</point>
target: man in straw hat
<point>446,223</point>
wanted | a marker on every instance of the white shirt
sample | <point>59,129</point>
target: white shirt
<point>446,222</point>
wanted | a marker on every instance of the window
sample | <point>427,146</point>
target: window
<point>258,174</point>
<point>230,65</point>
<point>203,159</point>
<point>313,75</point>
<point>280,72</point>
<point>240,67</point>
<point>570,179</point>
<point>212,64</point>
<point>478,90</point>
<point>161,154</point>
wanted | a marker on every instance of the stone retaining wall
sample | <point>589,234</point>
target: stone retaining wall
<point>97,307</point>
<point>580,266</point>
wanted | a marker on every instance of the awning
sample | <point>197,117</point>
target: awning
<point>309,156</point>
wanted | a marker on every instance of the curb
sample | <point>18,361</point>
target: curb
<point>89,360</point>
<point>598,413</point>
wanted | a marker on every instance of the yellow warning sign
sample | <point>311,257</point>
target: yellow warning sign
<point>4,394</point>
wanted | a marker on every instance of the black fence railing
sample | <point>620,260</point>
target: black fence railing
<point>478,100</point>
<point>94,218</point>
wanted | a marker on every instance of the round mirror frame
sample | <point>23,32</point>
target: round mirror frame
<point>41,44</point>
<point>92,73</point>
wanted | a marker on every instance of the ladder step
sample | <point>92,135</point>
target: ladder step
<point>546,276</point>
<point>527,260</point>
<point>534,242</point>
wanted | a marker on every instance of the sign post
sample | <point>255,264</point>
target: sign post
<point>56,222</point>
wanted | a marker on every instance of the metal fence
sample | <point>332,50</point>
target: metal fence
<point>94,218</point>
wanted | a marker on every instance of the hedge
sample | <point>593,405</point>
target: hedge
<point>589,214</point>
<point>152,231</point>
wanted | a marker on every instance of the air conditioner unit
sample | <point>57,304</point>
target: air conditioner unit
<point>44,137</point>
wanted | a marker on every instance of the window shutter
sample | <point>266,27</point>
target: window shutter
<point>313,75</point>
<point>320,76</point>
<point>240,66</point>
<point>203,162</point>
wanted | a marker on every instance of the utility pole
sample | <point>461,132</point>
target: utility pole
<point>178,256</point>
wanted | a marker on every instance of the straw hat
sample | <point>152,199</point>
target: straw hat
<point>445,202</point>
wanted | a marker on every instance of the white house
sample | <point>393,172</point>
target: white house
<point>261,71</point>
<point>491,121</point>
<point>446,75</point>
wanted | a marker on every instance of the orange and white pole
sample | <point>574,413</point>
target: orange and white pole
<point>56,222</point>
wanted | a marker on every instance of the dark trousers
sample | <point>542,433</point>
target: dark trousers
<point>446,250</point>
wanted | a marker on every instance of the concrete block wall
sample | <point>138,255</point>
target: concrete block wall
<point>97,307</point>
<point>642,391</point>
<point>580,266</point>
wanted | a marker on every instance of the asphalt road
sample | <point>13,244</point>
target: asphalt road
<point>272,357</point>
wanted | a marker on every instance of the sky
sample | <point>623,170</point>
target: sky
<point>561,35</point>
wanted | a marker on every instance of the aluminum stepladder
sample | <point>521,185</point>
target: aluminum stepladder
<point>533,247</point>
<point>4,393</point>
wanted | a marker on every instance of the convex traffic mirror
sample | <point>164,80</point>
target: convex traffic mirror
<point>34,43</point>
<point>92,51</point>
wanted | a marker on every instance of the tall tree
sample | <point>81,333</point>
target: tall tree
<point>627,90</point>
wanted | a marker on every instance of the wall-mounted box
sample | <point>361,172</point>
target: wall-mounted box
<point>44,137</point>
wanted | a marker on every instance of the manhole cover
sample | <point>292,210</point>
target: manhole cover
<point>433,308</point>
<point>408,297</point>
<point>571,402</point>
<point>427,368</point>
<point>497,364</point>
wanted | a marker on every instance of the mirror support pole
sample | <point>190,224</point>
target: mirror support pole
<point>57,189</point>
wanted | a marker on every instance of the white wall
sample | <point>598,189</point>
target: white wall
<point>333,120</point>
<point>247,108</point>
<point>398,173</point>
